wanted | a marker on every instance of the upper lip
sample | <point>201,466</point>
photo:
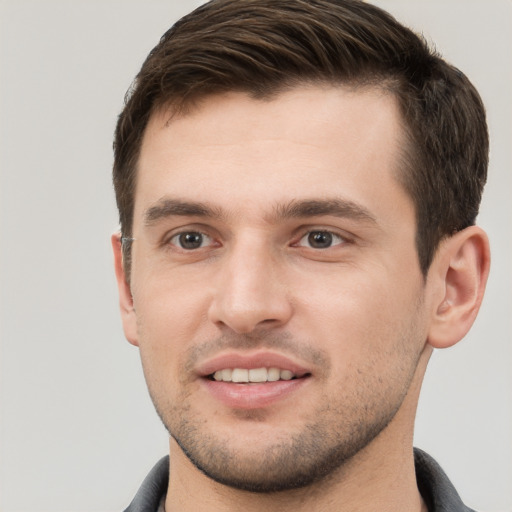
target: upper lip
<point>260,359</point>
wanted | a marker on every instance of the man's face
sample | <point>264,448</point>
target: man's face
<point>273,240</point>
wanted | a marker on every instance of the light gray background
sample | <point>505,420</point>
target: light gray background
<point>78,431</point>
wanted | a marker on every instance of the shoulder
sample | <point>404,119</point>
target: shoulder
<point>152,490</point>
<point>435,487</point>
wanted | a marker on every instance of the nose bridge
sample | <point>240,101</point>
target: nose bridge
<point>250,290</point>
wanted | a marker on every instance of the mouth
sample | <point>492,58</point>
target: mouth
<point>254,375</point>
<point>252,381</point>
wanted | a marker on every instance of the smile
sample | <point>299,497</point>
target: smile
<point>254,375</point>
<point>253,380</point>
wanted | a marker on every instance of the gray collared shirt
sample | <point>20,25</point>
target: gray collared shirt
<point>435,487</point>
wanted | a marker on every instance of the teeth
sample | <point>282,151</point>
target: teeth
<point>273,374</point>
<point>240,375</point>
<point>252,375</point>
<point>258,375</point>
<point>226,374</point>
<point>286,375</point>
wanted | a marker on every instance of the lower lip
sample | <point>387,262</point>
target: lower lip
<point>252,396</point>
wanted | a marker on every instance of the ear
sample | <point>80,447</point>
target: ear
<point>128,315</point>
<point>458,276</point>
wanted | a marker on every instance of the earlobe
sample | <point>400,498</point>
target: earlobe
<point>128,315</point>
<point>458,276</point>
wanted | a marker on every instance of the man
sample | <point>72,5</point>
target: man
<point>297,183</point>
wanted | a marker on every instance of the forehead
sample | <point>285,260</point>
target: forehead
<point>243,153</point>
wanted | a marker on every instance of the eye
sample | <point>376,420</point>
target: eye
<point>320,240</point>
<point>190,240</point>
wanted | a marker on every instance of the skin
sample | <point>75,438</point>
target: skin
<point>357,315</point>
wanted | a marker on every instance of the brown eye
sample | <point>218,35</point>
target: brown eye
<point>320,240</point>
<point>190,240</point>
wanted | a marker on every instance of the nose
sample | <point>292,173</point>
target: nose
<point>251,292</point>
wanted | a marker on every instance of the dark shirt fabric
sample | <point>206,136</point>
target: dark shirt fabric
<point>437,491</point>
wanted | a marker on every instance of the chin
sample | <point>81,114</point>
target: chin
<point>294,462</point>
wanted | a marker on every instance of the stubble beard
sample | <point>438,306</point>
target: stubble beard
<point>304,459</point>
<point>322,447</point>
<point>336,431</point>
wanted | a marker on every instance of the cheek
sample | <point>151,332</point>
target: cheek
<point>169,320</point>
<point>358,315</point>
<point>169,304</point>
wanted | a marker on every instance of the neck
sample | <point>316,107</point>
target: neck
<point>381,474</point>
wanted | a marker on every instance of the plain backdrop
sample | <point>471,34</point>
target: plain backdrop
<point>78,431</point>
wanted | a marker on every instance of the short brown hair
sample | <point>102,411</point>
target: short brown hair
<point>263,47</point>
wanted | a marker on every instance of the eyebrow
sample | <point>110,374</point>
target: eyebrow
<point>336,207</point>
<point>316,207</point>
<point>168,207</point>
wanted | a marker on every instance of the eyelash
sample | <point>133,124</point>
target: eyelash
<point>337,239</point>
<point>332,237</point>
<point>183,233</point>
